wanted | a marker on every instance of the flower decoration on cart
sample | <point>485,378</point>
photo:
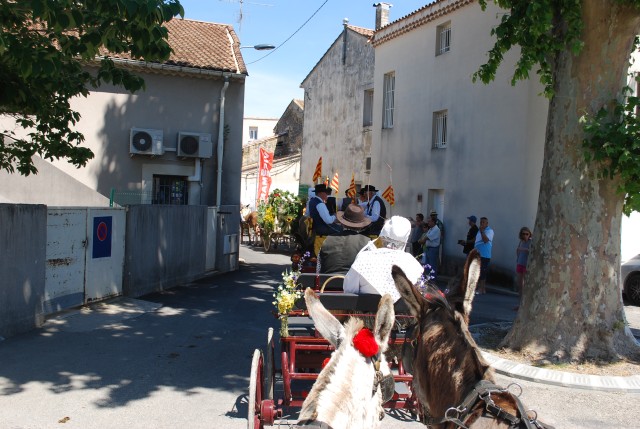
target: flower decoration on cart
<point>287,294</point>
<point>278,211</point>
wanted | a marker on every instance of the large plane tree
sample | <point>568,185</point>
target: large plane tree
<point>44,46</point>
<point>571,307</point>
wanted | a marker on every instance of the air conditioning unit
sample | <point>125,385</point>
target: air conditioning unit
<point>195,145</point>
<point>145,141</point>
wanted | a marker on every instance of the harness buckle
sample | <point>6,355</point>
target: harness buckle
<point>453,415</point>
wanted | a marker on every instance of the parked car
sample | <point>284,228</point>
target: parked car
<point>630,280</point>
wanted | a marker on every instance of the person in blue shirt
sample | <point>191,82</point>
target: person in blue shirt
<point>324,224</point>
<point>484,243</point>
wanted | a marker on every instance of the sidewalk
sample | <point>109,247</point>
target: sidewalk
<point>517,370</point>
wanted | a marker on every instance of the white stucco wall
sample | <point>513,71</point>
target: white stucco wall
<point>334,94</point>
<point>264,125</point>
<point>169,103</point>
<point>491,165</point>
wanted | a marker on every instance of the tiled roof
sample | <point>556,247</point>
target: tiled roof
<point>203,45</point>
<point>361,30</point>
<point>418,18</point>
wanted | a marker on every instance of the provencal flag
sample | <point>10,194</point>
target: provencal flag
<point>352,187</point>
<point>335,183</point>
<point>388,195</point>
<point>318,173</point>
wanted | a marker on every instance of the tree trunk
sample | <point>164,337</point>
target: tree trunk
<point>572,307</point>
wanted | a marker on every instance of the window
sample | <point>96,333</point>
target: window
<point>443,38</point>
<point>367,108</point>
<point>440,129</point>
<point>367,164</point>
<point>253,133</point>
<point>388,102</point>
<point>170,190</point>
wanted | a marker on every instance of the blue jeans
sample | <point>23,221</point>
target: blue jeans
<point>430,257</point>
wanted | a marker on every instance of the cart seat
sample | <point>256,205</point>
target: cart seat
<point>365,303</point>
<point>331,282</point>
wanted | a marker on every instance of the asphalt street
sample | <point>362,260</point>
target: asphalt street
<point>182,358</point>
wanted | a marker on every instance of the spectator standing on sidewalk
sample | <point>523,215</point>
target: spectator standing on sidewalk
<point>468,244</point>
<point>484,243</point>
<point>431,247</point>
<point>416,233</point>
<point>522,256</point>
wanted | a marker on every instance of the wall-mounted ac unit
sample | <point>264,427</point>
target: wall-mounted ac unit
<point>195,145</point>
<point>146,141</point>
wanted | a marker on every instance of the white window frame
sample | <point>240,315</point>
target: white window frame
<point>443,38</point>
<point>388,102</point>
<point>367,108</point>
<point>440,129</point>
<point>253,133</point>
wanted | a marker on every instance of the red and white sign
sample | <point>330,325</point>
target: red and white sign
<point>264,174</point>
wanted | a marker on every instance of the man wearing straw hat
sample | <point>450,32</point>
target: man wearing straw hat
<point>339,251</point>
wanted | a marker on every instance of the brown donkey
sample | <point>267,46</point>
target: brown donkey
<point>453,383</point>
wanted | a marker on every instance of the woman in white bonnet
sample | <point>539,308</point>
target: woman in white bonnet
<point>371,271</point>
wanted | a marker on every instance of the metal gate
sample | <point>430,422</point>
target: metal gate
<point>85,256</point>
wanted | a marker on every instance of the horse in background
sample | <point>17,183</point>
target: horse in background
<point>453,383</point>
<point>356,381</point>
<point>248,224</point>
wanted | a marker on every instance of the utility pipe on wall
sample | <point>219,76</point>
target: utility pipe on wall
<point>221,141</point>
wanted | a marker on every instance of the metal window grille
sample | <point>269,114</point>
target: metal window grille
<point>444,39</point>
<point>367,113</point>
<point>388,102</point>
<point>440,130</point>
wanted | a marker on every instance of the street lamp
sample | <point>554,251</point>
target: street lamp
<point>262,47</point>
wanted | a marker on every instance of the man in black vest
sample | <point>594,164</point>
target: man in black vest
<point>376,211</point>
<point>324,224</point>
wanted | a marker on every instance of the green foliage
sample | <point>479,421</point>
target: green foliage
<point>542,29</point>
<point>43,47</point>
<point>613,141</point>
<point>279,211</point>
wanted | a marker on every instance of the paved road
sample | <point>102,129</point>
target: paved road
<point>182,358</point>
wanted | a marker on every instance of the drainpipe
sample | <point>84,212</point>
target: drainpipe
<point>221,141</point>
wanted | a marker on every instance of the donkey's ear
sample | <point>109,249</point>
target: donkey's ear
<point>407,291</point>
<point>385,319</point>
<point>328,326</point>
<point>470,279</point>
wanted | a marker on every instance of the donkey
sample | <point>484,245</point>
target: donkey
<point>453,383</point>
<point>356,381</point>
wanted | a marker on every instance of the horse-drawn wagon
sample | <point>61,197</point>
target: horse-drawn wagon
<point>277,219</point>
<point>303,351</point>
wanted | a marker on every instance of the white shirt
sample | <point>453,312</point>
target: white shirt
<point>371,272</point>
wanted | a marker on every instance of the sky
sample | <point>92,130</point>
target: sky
<point>275,76</point>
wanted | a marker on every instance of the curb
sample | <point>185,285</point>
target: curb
<point>630,384</point>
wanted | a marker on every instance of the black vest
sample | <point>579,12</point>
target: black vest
<point>319,227</point>
<point>376,226</point>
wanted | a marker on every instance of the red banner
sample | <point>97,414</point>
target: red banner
<point>264,174</point>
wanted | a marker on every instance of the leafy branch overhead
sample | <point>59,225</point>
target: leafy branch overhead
<point>542,30</point>
<point>45,47</point>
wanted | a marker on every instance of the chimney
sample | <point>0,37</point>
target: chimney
<point>382,14</point>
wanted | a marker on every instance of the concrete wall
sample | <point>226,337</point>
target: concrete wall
<point>165,246</point>
<point>492,163</point>
<point>333,111</point>
<point>23,242</point>
<point>170,103</point>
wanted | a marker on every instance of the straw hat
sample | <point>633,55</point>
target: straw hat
<point>353,217</point>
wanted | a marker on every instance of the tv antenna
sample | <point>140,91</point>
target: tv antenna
<point>241,3</point>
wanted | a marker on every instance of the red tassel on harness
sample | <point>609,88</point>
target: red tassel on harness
<point>325,362</point>
<point>365,343</point>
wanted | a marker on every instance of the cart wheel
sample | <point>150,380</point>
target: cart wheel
<point>255,392</point>
<point>270,371</point>
<point>266,242</point>
<point>286,379</point>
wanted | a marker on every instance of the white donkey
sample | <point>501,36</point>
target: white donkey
<point>353,385</point>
